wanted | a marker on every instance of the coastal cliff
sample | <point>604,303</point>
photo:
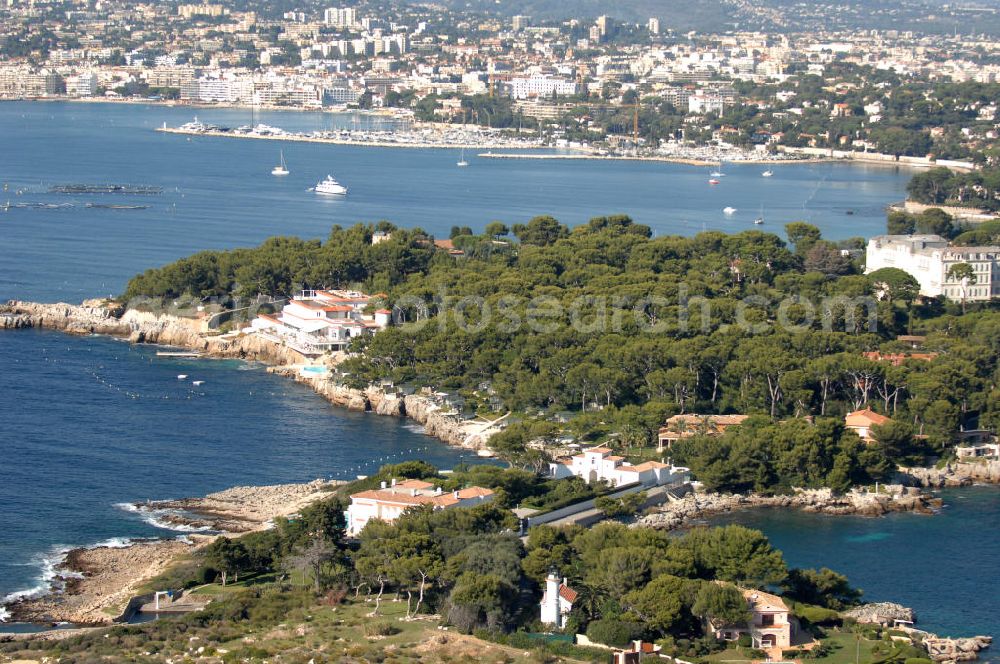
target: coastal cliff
<point>417,407</point>
<point>114,319</point>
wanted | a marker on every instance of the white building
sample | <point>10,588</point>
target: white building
<point>557,601</point>
<point>928,259</point>
<point>317,322</point>
<point>701,104</point>
<point>82,85</point>
<point>340,17</point>
<point>390,501</point>
<point>653,26</point>
<point>539,85</point>
<point>599,464</point>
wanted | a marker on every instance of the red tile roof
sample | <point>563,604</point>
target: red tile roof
<point>567,593</point>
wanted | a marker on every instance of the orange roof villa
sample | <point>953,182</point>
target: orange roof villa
<point>771,624</point>
<point>862,421</point>
<point>390,501</point>
<point>684,426</point>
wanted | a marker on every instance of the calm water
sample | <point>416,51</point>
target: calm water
<point>942,566</point>
<point>90,423</point>
<point>219,193</point>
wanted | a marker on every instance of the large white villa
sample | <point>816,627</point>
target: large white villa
<point>928,258</point>
<point>601,464</point>
<point>391,500</point>
<point>319,321</point>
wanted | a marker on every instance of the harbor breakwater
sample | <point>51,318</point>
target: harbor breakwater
<point>115,319</point>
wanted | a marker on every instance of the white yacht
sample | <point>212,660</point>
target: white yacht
<point>330,187</point>
<point>194,126</point>
<point>729,210</point>
<point>766,174</point>
<point>281,168</point>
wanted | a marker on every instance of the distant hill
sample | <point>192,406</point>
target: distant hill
<point>928,16</point>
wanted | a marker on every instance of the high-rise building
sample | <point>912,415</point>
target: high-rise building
<point>520,22</point>
<point>606,25</point>
<point>653,26</point>
<point>340,17</point>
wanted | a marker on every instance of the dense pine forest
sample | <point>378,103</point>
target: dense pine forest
<point>614,330</point>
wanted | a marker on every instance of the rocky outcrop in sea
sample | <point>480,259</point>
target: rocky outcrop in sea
<point>949,651</point>
<point>880,613</point>
<point>942,649</point>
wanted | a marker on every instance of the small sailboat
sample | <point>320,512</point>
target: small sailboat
<point>281,168</point>
<point>462,162</point>
<point>766,174</point>
<point>760,220</point>
<point>717,173</point>
<point>729,210</point>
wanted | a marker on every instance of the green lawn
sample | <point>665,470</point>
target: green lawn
<point>844,649</point>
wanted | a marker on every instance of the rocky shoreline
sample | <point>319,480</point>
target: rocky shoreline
<point>92,585</point>
<point>114,319</point>
<point>694,507</point>
<point>943,649</point>
<point>955,474</point>
<point>240,509</point>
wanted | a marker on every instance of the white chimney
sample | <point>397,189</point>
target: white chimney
<point>413,493</point>
<point>383,485</point>
<point>455,494</point>
<point>394,481</point>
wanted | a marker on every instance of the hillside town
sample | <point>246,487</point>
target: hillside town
<point>613,86</point>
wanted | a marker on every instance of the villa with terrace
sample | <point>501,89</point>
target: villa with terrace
<point>601,464</point>
<point>321,321</point>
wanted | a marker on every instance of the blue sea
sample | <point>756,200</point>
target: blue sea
<point>940,565</point>
<point>218,192</point>
<point>91,424</point>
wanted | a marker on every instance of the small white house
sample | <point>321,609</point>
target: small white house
<point>557,601</point>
